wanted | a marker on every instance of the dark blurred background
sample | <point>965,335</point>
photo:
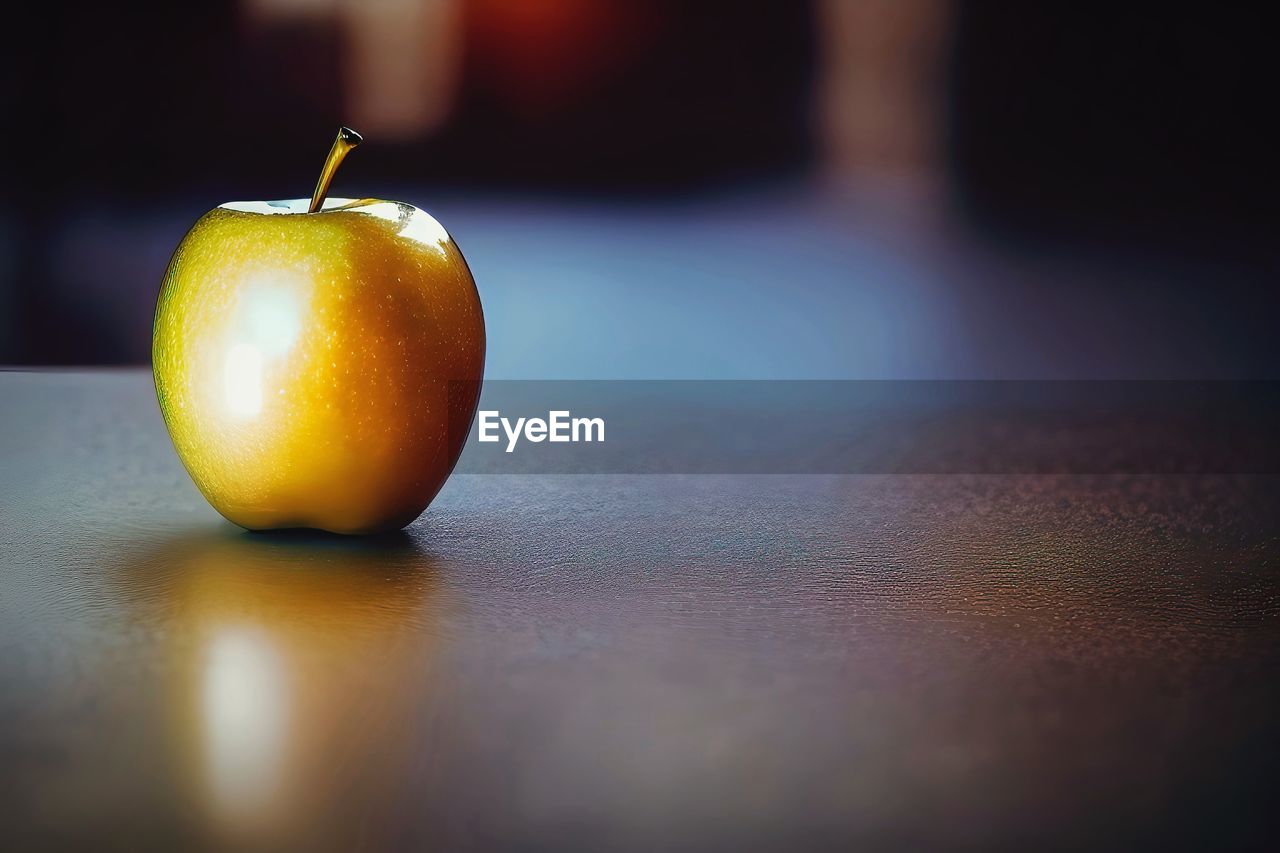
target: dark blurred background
<point>648,188</point>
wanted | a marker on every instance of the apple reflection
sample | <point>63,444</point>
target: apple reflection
<point>301,678</point>
<point>244,705</point>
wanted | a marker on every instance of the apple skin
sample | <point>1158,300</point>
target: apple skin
<point>319,369</point>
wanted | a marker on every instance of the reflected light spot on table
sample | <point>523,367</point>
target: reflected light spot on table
<point>244,705</point>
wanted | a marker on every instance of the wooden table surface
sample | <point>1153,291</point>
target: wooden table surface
<point>626,661</point>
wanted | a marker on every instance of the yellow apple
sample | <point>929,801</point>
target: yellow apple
<point>318,364</point>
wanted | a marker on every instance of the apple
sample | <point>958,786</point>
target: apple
<point>318,363</point>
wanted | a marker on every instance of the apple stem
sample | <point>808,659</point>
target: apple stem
<point>347,139</point>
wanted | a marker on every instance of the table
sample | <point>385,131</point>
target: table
<point>627,661</point>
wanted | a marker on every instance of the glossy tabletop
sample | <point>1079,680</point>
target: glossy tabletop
<point>627,661</point>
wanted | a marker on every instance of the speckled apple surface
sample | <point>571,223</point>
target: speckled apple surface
<point>318,369</point>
